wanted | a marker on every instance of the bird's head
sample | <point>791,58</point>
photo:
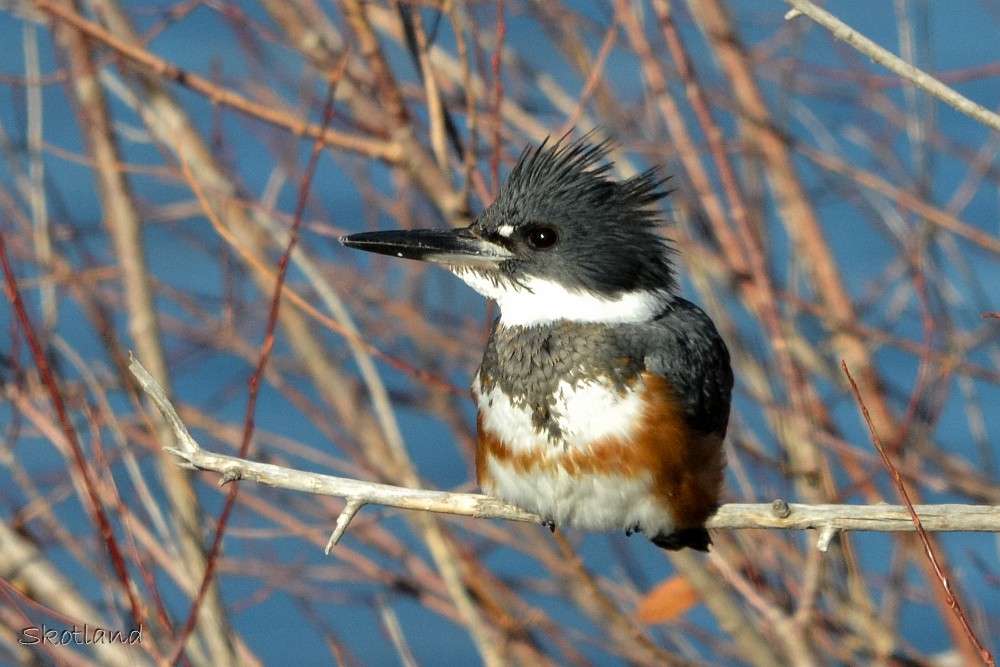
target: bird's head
<point>562,240</point>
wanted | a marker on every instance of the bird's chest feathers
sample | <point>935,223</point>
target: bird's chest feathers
<point>575,416</point>
<point>559,412</point>
<point>578,465</point>
<point>557,388</point>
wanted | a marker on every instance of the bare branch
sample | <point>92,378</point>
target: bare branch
<point>377,149</point>
<point>829,519</point>
<point>893,62</point>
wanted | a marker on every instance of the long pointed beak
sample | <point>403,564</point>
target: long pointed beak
<point>452,247</point>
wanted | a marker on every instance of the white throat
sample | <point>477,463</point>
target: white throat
<point>536,301</point>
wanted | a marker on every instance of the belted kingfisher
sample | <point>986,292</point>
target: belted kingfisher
<point>603,396</point>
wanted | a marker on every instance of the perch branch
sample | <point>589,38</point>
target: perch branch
<point>829,519</point>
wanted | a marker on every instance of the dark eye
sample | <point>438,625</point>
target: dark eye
<point>541,238</point>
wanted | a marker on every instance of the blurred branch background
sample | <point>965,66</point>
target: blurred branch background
<point>154,159</point>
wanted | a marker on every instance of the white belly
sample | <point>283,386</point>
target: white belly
<point>589,415</point>
<point>589,502</point>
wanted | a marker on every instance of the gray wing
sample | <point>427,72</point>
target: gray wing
<point>683,345</point>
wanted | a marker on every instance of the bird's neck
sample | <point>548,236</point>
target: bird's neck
<point>536,301</point>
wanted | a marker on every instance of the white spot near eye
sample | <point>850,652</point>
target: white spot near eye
<point>505,230</point>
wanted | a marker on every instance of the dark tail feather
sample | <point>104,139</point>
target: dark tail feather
<point>692,538</point>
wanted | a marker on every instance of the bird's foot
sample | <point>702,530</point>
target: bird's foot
<point>550,524</point>
<point>633,529</point>
<point>691,538</point>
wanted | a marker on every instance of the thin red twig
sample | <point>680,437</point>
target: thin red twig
<point>145,573</point>
<point>952,600</point>
<point>258,374</point>
<point>49,380</point>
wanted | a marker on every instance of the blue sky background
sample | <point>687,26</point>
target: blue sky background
<point>955,36</point>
